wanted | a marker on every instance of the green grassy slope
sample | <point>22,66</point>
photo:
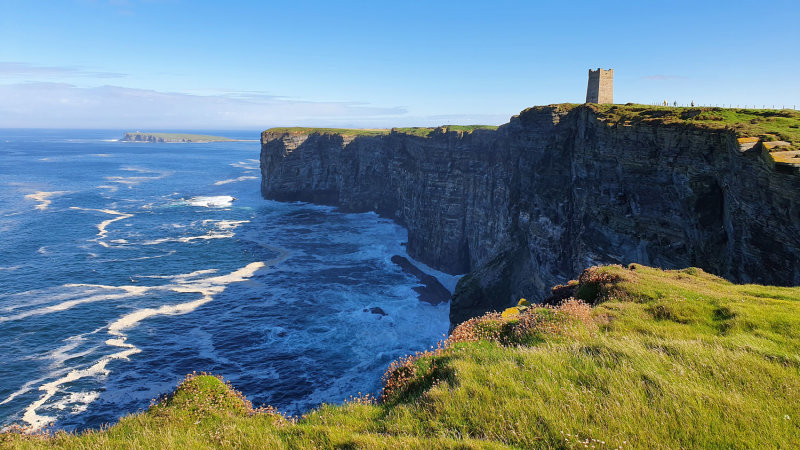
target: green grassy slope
<point>664,359</point>
<point>767,124</point>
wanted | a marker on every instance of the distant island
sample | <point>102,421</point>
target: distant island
<point>173,137</point>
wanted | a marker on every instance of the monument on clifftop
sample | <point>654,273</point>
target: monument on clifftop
<point>601,86</point>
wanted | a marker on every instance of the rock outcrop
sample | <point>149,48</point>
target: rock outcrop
<point>555,190</point>
<point>172,138</point>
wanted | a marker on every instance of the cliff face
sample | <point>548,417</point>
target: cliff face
<point>554,191</point>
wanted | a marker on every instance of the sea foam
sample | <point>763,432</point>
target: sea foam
<point>206,288</point>
<point>43,198</point>
<point>214,201</point>
<point>101,227</point>
<point>234,180</point>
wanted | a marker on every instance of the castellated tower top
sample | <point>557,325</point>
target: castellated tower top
<point>601,86</point>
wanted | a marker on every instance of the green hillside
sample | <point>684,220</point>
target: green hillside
<point>767,124</point>
<point>664,359</point>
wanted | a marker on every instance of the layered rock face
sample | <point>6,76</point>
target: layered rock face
<point>552,192</point>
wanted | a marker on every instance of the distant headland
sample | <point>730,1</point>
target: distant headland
<point>139,136</point>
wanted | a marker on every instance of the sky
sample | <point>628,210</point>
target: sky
<point>250,65</point>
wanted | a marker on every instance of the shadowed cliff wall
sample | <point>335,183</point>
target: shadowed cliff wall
<point>552,192</point>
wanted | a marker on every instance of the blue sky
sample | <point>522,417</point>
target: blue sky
<point>171,64</point>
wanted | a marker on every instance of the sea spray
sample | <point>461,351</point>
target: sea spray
<point>141,272</point>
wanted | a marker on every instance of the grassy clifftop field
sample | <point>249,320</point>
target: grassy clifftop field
<point>768,125</point>
<point>633,357</point>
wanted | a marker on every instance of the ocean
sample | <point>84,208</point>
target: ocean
<point>125,266</point>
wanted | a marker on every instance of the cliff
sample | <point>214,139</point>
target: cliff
<point>557,189</point>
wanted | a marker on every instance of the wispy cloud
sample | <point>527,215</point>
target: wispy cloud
<point>663,77</point>
<point>25,70</point>
<point>63,105</point>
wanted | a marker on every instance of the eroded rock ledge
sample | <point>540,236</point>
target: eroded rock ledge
<point>557,189</point>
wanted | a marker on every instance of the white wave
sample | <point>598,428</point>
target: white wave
<point>9,268</point>
<point>37,421</point>
<point>183,276</point>
<point>22,390</point>
<point>224,224</point>
<point>78,402</point>
<point>133,319</point>
<point>214,201</point>
<point>210,235</point>
<point>59,355</point>
<point>37,297</point>
<point>140,170</point>
<point>246,165</point>
<point>44,198</point>
<point>234,180</point>
<point>133,181</point>
<point>101,227</point>
<point>206,287</point>
<point>129,181</point>
<point>129,291</point>
<point>109,187</point>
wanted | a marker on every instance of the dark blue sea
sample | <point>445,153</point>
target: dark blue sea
<point>125,266</point>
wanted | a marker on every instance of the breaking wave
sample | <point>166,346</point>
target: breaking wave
<point>152,267</point>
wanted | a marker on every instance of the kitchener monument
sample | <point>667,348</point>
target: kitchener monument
<point>601,86</point>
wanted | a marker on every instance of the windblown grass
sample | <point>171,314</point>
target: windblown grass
<point>766,124</point>
<point>634,357</point>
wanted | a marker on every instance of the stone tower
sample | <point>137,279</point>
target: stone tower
<point>601,86</point>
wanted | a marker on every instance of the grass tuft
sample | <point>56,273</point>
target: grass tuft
<point>664,359</point>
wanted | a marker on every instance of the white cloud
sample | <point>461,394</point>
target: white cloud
<point>62,105</point>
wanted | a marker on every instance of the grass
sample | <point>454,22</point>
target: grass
<point>767,124</point>
<point>644,358</point>
<point>414,131</point>
<point>180,137</point>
